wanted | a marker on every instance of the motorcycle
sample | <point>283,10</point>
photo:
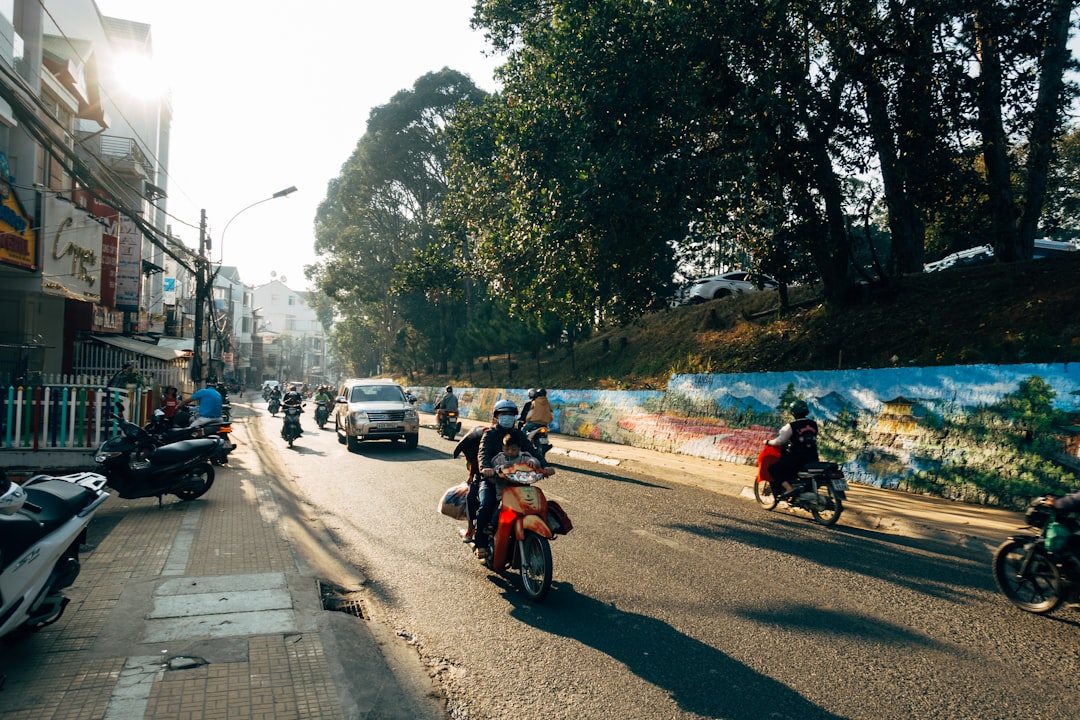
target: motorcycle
<point>1039,571</point>
<point>540,439</point>
<point>136,467</point>
<point>42,524</point>
<point>820,488</point>
<point>274,406</point>
<point>524,526</point>
<point>290,429</point>
<point>322,413</point>
<point>166,431</point>
<point>449,426</point>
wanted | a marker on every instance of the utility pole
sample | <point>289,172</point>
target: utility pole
<point>200,302</point>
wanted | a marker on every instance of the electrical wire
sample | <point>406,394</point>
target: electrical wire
<point>144,145</point>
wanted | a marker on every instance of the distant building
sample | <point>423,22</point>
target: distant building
<point>293,341</point>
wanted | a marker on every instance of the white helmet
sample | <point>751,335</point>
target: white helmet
<point>12,496</point>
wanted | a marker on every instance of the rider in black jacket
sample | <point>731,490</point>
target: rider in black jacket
<point>798,445</point>
<point>504,415</point>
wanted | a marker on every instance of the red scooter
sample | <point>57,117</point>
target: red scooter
<point>525,524</point>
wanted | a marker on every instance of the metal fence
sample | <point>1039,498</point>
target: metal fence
<point>67,415</point>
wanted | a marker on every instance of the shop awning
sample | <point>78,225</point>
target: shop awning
<point>142,348</point>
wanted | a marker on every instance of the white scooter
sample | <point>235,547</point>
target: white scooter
<point>42,524</point>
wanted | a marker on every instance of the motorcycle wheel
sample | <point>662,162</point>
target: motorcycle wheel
<point>535,566</point>
<point>1029,584</point>
<point>763,493</point>
<point>204,474</point>
<point>828,512</point>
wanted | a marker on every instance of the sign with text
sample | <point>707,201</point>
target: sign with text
<point>128,264</point>
<point>71,261</point>
<point>18,239</point>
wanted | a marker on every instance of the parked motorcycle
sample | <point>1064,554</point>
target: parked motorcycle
<point>42,525</point>
<point>274,406</point>
<point>166,431</point>
<point>1038,571</point>
<point>290,429</point>
<point>524,525</point>
<point>136,467</point>
<point>820,488</point>
<point>540,439</point>
<point>322,413</point>
<point>449,425</point>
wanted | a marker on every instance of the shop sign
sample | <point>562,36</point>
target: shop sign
<point>71,261</point>
<point>18,239</point>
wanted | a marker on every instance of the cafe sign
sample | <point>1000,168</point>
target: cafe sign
<point>71,257</point>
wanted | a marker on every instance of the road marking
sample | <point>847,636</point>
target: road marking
<point>132,692</point>
<point>182,544</point>
<point>662,540</point>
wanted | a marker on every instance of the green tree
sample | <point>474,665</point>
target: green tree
<point>383,209</point>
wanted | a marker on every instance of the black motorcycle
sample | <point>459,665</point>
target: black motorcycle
<point>540,439</point>
<point>290,429</point>
<point>449,426</point>
<point>274,406</point>
<point>819,487</point>
<point>1039,571</point>
<point>322,413</point>
<point>136,467</point>
<point>166,431</point>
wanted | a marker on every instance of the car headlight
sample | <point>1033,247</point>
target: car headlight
<point>359,417</point>
<point>412,416</point>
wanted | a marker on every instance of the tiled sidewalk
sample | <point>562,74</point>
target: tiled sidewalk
<point>96,662</point>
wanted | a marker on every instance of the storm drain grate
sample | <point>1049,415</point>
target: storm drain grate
<point>339,599</point>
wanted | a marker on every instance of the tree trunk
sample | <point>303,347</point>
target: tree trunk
<point>994,142</point>
<point>1047,120</point>
<point>830,255</point>
<point>907,244</point>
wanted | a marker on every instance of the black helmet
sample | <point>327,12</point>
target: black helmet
<point>799,409</point>
<point>449,389</point>
<point>541,392</point>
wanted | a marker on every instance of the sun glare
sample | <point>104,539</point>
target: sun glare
<point>138,75</point>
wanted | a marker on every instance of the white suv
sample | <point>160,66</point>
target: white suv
<point>730,283</point>
<point>375,410</point>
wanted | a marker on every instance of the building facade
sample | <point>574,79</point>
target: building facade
<point>85,251</point>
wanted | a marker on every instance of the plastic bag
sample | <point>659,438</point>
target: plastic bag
<point>452,503</point>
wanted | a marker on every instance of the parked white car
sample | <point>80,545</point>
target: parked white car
<point>730,283</point>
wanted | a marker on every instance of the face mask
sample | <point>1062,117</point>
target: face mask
<point>506,421</point>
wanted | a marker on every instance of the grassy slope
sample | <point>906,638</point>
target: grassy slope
<point>997,314</point>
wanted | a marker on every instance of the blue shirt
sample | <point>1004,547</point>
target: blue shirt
<point>209,402</point>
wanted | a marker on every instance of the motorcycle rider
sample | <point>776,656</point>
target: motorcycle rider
<point>447,402</point>
<point>503,416</point>
<point>322,395</point>
<point>469,446</point>
<point>798,445</point>
<point>537,411</point>
<point>292,399</point>
<point>209,401</point>
<point>1065,503</point>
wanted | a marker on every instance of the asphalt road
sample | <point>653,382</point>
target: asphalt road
<point>671,601</point>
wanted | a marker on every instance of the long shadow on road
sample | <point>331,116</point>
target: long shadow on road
<point>700,678</point>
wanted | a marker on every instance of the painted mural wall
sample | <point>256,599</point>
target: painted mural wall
<point>988,433</point>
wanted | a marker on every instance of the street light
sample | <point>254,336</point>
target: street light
<point>204,278</point>
<point>221,240</point>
